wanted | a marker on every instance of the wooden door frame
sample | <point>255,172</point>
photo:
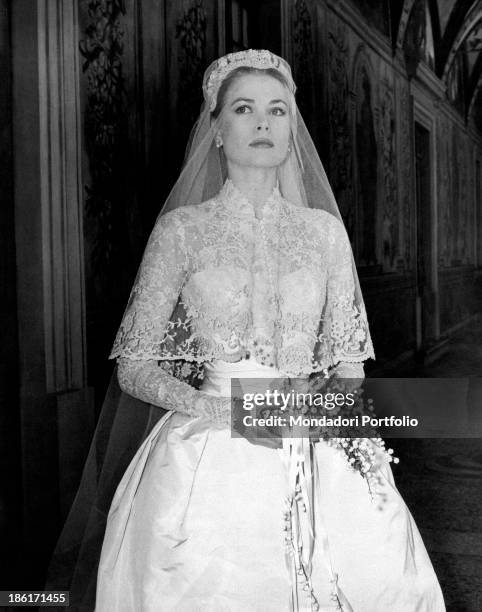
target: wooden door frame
<point>423,115</point>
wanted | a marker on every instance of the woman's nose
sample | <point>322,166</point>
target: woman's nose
<point>263,125</point>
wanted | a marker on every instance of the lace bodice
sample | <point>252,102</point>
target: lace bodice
<point>219,281</point>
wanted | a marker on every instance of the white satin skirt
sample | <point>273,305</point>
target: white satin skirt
<point>204,522</point>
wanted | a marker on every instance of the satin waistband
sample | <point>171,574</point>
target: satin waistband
<point>218,375</point>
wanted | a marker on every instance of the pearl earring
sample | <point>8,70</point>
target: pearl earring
<point>219,142</point>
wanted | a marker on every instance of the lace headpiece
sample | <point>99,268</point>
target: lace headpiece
<point>252,58</point>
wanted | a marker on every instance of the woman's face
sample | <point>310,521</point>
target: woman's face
<point>255,123</point>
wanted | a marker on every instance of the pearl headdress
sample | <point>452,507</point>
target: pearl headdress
<point>252,58</point>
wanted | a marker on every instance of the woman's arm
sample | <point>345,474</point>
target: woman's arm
<point>142,341</point>
<point>147,381</point>
<point>346,325</point>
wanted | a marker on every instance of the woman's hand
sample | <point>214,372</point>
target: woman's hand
<point>268,436</point>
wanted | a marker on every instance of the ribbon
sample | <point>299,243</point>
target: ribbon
<point>301,525</point>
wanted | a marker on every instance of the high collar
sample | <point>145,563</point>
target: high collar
<point>234,198</point>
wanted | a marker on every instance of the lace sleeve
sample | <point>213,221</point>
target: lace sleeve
<point>148,382</point>
<point>156,290</point>
<point>347,325</point>
<point>349,370</point>
<point>145,328</point>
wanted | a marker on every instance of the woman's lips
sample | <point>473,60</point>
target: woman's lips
<point>262,144</point>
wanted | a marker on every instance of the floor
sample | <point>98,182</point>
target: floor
<point>441,482</point>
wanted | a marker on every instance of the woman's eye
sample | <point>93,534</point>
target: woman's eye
<point>279,112</point>
<point>241,110</point>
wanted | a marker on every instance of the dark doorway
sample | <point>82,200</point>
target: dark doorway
<point>253,24</point>
<point>425,297</point>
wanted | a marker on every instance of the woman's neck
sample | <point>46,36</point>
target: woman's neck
<point>256,184</point>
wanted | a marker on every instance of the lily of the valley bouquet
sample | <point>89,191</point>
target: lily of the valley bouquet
<point>326,408</point>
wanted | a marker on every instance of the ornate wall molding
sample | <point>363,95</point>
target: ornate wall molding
<point>105,121</point>
<point>191,32</point>
<point>465,172</point>
<point>341,153</point>
<point>457,155</point>
<point>366,158</point>
<point>405,182</point>
<point>389,182</point>
<point>424,115</point>
<point>444,167</point>
<point>367,166</point>
<point>303,58</point>
<point>361,59</point>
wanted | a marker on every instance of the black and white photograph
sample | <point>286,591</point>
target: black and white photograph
<point>241,305</point>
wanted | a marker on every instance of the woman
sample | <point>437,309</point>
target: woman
<point>249,274</point>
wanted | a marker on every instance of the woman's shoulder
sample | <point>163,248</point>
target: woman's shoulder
<point>324,221</point>
<point>190,215</point>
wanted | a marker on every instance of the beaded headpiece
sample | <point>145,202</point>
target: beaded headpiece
<point>252,58</point>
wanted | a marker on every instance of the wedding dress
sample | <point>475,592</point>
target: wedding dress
<point>199,521</point>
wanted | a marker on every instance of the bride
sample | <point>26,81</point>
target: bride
<point>248,274</point>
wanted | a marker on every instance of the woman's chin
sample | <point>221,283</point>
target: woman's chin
<point>261,159</point>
